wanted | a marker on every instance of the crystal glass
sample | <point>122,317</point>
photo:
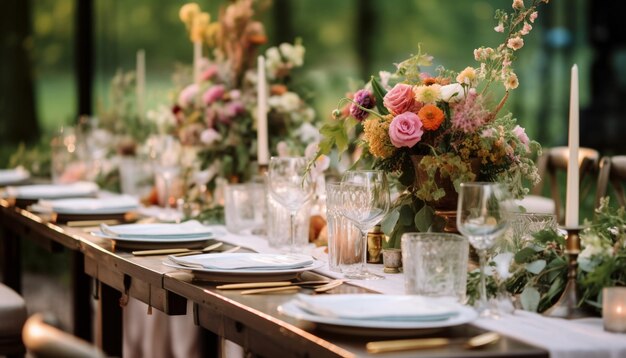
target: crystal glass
<point>291,186</point>
<point>365,201</point>
<point>435,264</point>
<point>482,216</point>
<point>244,207</point>
<point>342,234</point>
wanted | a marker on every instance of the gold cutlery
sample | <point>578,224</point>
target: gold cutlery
<point>177,251</point>
<point>206,249</point>
<point>244,285</point>
<point>430,343</point>
<point>284,289</point>
<point>329,286</point>
<point>91,223</point>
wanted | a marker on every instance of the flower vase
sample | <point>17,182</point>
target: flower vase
<point>445,207</point>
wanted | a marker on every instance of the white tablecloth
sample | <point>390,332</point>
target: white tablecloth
<point>562,338</point>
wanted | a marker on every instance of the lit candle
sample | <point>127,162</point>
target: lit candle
<point>197,57</point>
<point>262,140</point>
<point>571,206</point>
<point>614,309</point>
<point>141,81</point>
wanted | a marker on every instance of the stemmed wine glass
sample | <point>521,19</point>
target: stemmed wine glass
<point>365,201</point>
<point>482,216</point>
<point>166,156</point>
<point>291,186</point>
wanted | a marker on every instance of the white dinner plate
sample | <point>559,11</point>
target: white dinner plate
<point>90,206</point>
<point>52,191</point>
<point>244,261</point>
<point>188,229</point>
<point>248,272</point>
<point>153,239</point>
<point>13,176</point>
<point>292,309</point>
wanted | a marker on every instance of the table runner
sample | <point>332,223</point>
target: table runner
<point>584,338</point>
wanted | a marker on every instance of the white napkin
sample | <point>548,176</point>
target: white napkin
<point>245,261</point>
<point>53,191</point>
<point>12,176</point>
<point>380,307</point>
<point>191,228</point>
<point>106,205</point>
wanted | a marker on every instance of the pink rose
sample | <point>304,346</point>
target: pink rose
<point>209,73</point>
<point>399,99</point>
<point>213,94</point>
<point>405,130</point>
<point>234,108</point>
<point>210,136</point>
<point>187,95</point>
<point>521,135</point>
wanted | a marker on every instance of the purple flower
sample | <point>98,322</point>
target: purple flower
<point>213,94</point>
<point>365,99</point>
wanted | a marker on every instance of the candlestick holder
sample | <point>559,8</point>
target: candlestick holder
<point>567,305</point>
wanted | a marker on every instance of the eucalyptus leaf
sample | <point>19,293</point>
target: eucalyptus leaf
<point>524,255</point>
<point>556,288</point>
<point>424,218</point>
<point>536,266</point>
<point>530,299</point>
<point>406,215</point>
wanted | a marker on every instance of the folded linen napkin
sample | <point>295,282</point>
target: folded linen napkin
<point>380,307</point>
<point>189,229</point>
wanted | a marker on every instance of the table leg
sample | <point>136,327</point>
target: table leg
<point>11,260</point>
<point>81,297</point>
<point>110,321</point>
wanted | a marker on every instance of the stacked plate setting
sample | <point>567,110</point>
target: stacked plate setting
<point>245,263</point>
<point>374,311</point>
<point>187,232</point>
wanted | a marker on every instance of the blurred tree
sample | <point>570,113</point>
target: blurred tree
<point>17,100</point>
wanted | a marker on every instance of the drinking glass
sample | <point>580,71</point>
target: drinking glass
<point>291,186</point>
<point>342,234</point>
<point>166,156</point>
<point>482,217</point>
<point>365,201</point>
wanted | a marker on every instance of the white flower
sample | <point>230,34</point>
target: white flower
<point>294,54</point>
<point>162,117</point>
<point>385,76</point>
<point>287,102</point>
<point>308,133</point>
<point>452,93</point>
<point>503,263</point>
<point>282,148</point>
<point>210,136</point>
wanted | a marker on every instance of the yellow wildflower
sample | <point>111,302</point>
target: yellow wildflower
<point>376,134</point>
<point>467,76</point>
<point>188,12</point>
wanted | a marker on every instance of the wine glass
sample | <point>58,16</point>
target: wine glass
<point>166,158</point>
<point>365,201</point>
<point>482,217</point>
<point>291,186</point>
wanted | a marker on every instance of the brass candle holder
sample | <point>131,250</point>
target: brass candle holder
<point>567,305</point>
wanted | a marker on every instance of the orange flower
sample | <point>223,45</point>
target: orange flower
<point>431,117</point>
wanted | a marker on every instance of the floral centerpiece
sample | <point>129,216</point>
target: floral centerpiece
<point>215,113</point>
<point>434,130</point>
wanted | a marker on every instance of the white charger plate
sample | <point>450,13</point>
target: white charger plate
<point>247,272</point>
<point>90,206</point>
<point>153,239</point>
<point>13,176</point>
<point>244,261</point>
<point>53,191</point>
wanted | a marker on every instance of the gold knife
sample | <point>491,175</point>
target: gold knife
<point>238,286</point>
<point>430,343</point>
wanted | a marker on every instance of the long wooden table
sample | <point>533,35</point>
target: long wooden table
<point>251,321</point>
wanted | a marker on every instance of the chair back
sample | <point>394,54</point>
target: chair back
<point>43,340</point>
<point>555,160</point>
<point>612,171</point>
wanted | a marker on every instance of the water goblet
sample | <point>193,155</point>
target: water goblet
<point>482,217</point>
<point>291,186</point>
<point>365,201</point>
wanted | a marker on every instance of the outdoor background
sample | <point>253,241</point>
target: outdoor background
<point>346,41</point>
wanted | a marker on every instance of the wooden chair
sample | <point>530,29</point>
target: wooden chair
<point>612,170</point>
<point>43,340</point>
<point>12,318</point>
<point>553,161</point>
